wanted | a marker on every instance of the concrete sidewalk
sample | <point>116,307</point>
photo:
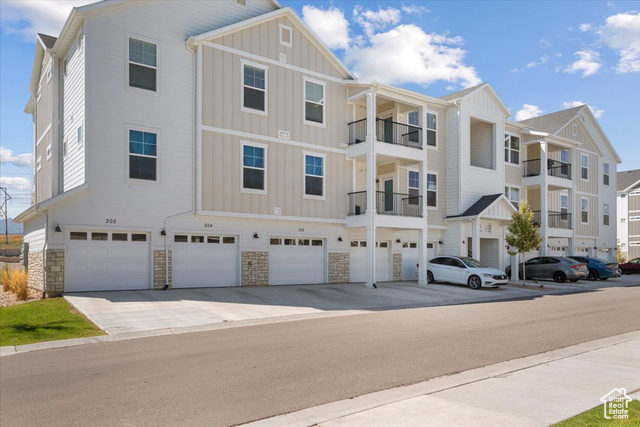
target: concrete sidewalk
<point>533,391</point>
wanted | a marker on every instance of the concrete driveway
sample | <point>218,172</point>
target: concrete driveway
<point>186,310</point>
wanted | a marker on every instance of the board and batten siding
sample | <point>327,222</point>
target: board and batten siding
<point>453,166</point>
<point>34,233</point>
<point>44,133</point>
<point>222,180</point>
<point>73,95</point>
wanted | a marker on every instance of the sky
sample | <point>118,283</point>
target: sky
<point>539,57</point>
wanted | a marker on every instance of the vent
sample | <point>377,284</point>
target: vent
<point>283,57</point>
<point>277,211</point>
<point>283,134</point>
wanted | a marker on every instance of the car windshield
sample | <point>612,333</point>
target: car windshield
<point>473,263</point>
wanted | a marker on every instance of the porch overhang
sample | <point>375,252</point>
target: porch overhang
<point>490,207</point>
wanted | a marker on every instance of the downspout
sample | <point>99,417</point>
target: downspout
<point>44,255</point>
<point>457,104</point>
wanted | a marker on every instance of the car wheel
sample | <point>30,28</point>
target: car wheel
<point>593,274</point>
<point>474,282</point>
<point>574,280</point>
<point>429,277</point>
<point>606,278</point>
<point>559,277</point>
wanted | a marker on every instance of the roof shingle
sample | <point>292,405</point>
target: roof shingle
<point>552,123</point>
<point>478,207</point>
<point>48,41</point>
<point>627,178</point>
<point>460,94</point>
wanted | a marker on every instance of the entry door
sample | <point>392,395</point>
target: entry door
<point>388,195</point>
<point>388,130</point>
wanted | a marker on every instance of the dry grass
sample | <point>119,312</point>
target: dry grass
<point>15,241</point>
<point>5,278</point>
<point>15,281</point>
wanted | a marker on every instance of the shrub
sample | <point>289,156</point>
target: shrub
<point>20,284</point>
<point>5,278</point>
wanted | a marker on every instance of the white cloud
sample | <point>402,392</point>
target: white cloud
<point>15,184</point>
<point>588,63</point>
<point>585,27</point>
<point>528,111</point>
<point>21,160</point>
<point>371,21</point>
<point>570,104</point>
<point>26,18</point>
<point>414,9</point>
<point>621,33</point>
<point>330,25</point>
<point>543,60</point>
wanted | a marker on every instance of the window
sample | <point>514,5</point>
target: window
<point>213,239</point>
<point>564,156</point>
<point>633,218</point>
<point>584,166</point>
<point>414,187</point>
<point>634,193</point>
<point>143,64</point>
<point>605,219</point>
<point>99,236</point>
<point>314,102</point>
<point>80,134</point>
<point>314,175</point>
<point>119,237</point>
<point>605,174</point>
<point>253,168</point>
<point>64,148</point>
<point>197,239</point>
<point>39,163</point>
<point>513,194</point>
<point>48,151</point>
<point>78,235</point>
<point>623,220</point>
<point>584,210</point>
<point>254,88</point>
<point>431,130</point>
<point>180,238</point>
<point>432,190</point>
<point>286,35</point>
<point>511,149</point>
<point>564,206</point>
<point>413,119</point>
<point>138,237</point>
<point>143,155</point>
<point>623,195</point>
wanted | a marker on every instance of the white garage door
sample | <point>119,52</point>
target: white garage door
<point>358,261</point>
<point>294,261</point>
<point>107,261</point>
<point>205,261</point>
<point>410,259</point>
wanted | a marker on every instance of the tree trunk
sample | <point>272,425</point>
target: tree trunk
<point>524,275</point>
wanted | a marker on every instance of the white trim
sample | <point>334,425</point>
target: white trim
<point>426,130</point>
<point>606,174</point>
<point>416,170</point>
<point>511,187</point>
<point>271,217</point>
<point>587,151</point>
<point>283,28</point>
<point>138,181</point>
<point>127,86</point>
<point>242,166</point>
<point>582,210</point>
<point>426,190</point>
<point>304,175</point>
<point>48,151</point>
<point>272,61</point>
<point>44,133</point>
<point>304,102</point>
<point>39,164</point>
<point>606,214</point>
<point>271,139</point>
<point>583,156</point>
<point>243,63</point>
<point>510,150</point>
<point>582,193</point>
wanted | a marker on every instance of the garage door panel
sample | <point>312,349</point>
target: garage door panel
<point>197,265</point>
<point>300,262</point>
<point>358,262</point>
<point>410,259</point>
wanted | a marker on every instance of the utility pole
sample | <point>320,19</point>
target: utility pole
<point>3,211</point>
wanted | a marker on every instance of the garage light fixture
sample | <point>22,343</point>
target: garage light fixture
<point>440,242</point>
<point>57,229</point>
<point>339,238</point>
<point>163,232</point>
<point>255,235</point>
<point>398,241</point>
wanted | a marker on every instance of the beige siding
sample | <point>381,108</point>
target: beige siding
<point>591,228</point>
<point>634,203</point>
<point>589,186</point>
<point>577,132</point>
<point>451,147</point>
<point>484,99</point>
<point>44,115</point>
<point>513,175</point>
<point>222,173</point>
<point>285,104</point>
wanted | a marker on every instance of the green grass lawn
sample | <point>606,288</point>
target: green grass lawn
<point>595,418</point>
<point>45,320</point>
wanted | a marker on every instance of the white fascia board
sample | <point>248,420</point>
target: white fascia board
<point>37,65</point>
<point>417,97</point>
<point>29,108</point>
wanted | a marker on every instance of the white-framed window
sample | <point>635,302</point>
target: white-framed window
<point>254,168</point>
<point>634,193</point>
<point>39,163</point>
<point>584,167</point>
<point>564,156</point>
<point>564,205</point>
<point>64,148</point>
<point>38,94</point>
<point>143,64</point>
<point>314,172</point>
<point>80,135</point>
<point>511,149</point>
<point>513,194</point>
<point>605,174</point>
<point>413,186</point>
<point>633,218</point>
<point>584,210</point>
<point>254,87</point>
<point>623,245</point>
<point>413,119</point>
<point>431,129</point>
<point>314,102</point>
<point>432,190</point>
<point>49,152</point>
<point>286,35</point>
<point>623,220</point>
<point>605,217</point>
<point>143,155</point>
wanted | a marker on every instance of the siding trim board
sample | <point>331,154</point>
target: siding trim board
<point>271,217</point>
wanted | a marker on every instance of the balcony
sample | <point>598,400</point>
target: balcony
<point>555,168</point>
<point>554,220</point>
<point>388,132</point>
<point>397,204</point>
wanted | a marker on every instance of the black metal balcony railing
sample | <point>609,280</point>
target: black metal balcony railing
<point>387,131</point>
<point>555,219</point>
<point>554,168</point>
<point>386,204</point>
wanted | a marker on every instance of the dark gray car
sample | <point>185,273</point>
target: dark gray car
<point>557,268</point>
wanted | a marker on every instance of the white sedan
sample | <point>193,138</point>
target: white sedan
<point>466,271</point>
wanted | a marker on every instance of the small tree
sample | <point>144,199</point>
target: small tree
<point>619,258</point>
<point>523,235</point>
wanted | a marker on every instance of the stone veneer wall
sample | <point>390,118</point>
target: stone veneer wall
<point>34,261</point>
<point>339,265</point>
<point>255,268</point>
<point>397,267</point>
<point>54,272</point>
<point>159,270</point>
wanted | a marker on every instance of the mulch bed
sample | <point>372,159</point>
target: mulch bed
<point>8,298</point>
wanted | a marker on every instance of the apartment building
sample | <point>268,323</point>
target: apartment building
<point>202,144</point>
<point>628,218</point>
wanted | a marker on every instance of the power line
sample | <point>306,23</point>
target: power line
<point>3,211</point>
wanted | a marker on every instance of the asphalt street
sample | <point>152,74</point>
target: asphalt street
<point>237,375</point>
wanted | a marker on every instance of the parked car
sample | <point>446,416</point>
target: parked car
<point>598,268</point>
<point>630,267</point>
<point>557,268</point>
<point>464,270</point>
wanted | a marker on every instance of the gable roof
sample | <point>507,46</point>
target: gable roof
<point>289,13</point>
<point>49,41</point>
<point>628,179</point>
<point>483,86</point>
<point>553,122</point>
<point>461,93</point>
<point>479,207</point>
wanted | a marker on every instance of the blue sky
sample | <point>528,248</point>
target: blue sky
<point>539,57</point>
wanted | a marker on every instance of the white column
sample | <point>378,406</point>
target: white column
<point>422,234</point>
<point>371,190</point>
<point>475,238</point>
<point>544,198</point>
<point>198,156</point>
<point>515,267</point>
